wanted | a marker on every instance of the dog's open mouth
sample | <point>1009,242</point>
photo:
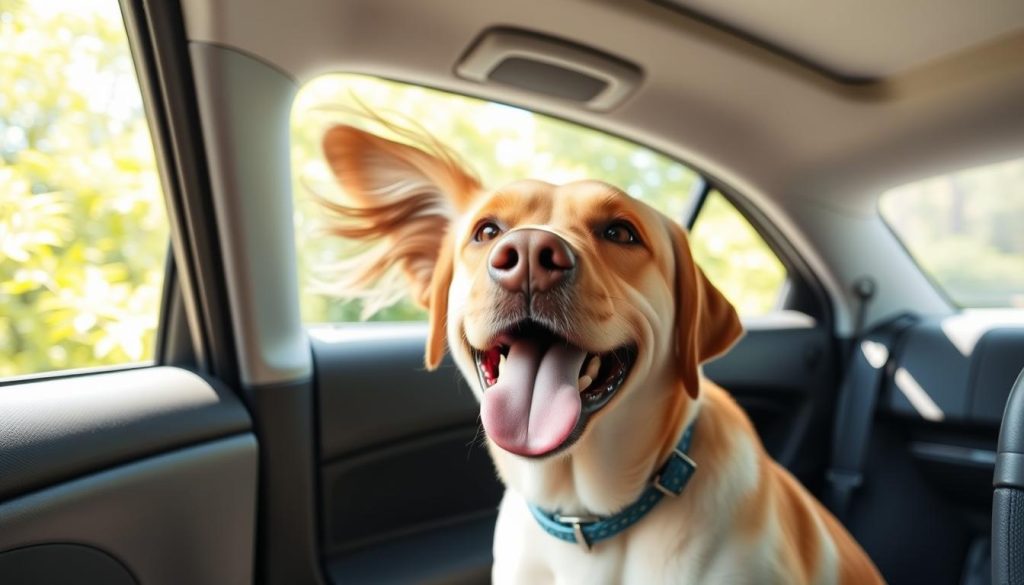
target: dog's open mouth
<point>540,389</point>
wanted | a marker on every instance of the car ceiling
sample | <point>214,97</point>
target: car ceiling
<point>798,101</point>
<point>868,39</point>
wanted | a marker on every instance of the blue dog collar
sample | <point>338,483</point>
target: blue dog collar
<point>670,480</point>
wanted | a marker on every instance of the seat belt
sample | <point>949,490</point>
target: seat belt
<point>869,363</point>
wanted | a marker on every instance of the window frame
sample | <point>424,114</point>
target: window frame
<point>195,328</point>
<point>929,278</point>
<point>802,290</point>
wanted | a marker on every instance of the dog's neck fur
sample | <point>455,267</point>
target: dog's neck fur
<point>614,461</point>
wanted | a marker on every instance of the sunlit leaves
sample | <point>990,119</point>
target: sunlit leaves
<point>83,234</point>
<point>736,258</point>
<point>29,224</point>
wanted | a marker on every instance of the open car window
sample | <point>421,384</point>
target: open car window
<point>966,231</point>
<point>500,143</point>
<point>503,144</point>
<point>736,258</point>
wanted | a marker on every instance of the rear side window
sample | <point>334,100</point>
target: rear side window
<point>500,143</point>
<point>83,232</point>
<point>966,231</point>
<point>736,258</point>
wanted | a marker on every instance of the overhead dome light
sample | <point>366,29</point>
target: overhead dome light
<point>553,67</point>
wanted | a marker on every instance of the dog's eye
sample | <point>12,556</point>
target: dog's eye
<point>620,232</point>
<point>487,232</point>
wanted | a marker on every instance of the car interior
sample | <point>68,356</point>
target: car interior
<point>256,446</point>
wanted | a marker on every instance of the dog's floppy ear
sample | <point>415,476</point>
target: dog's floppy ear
<point>437,304</point>
<point>706,322</point>
<point>403,198</point>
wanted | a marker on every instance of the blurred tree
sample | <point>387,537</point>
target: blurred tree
<point>736,258</point>
<point>83,234</point>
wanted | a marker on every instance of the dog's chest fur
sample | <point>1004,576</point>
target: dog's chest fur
<point>690,539</point>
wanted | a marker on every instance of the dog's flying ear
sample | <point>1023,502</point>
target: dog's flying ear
<point>403,198</point>
<point>706,323</point>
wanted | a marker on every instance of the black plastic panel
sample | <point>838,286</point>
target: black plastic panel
<point>786,381</point>
<point>374,390</point>
<point>937,366</point>
<point>287,545</point>
<point>417,484</point>
<point>185,516</point>
<point>928,491</point>
<point>455,554</point>
<point>62,564</point>
<point>1000,360</point>
<point>403,471</point>
<point>773,360</point>
<point>548,79</point>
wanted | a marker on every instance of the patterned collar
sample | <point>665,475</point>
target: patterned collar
<point>588,530</point>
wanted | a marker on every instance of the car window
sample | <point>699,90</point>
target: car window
<point>736,258</point>
<point>966,230</point>
<point>83,231</point>
<point>499,142</point>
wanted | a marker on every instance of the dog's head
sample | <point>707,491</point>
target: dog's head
<point>560,304</point>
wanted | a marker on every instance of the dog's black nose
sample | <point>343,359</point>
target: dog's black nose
<point>531,260</point>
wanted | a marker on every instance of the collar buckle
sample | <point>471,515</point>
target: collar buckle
<point>577,523</point>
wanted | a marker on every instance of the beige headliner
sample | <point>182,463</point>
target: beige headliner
<point>868,38</point>
<point>769,126</point>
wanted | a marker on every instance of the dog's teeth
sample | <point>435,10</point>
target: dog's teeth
<point>593,367</point>
<point>583,382</point>
<point>501,364</point>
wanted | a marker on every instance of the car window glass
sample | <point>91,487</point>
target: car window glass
<point>736,258</point>
<point>966,231</point>
<point>83,231</point>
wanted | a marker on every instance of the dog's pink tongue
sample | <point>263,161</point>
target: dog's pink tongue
<point>534,405</point>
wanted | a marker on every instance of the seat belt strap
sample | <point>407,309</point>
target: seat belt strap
<point>869,363</point>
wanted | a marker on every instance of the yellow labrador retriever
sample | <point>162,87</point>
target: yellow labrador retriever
<point>580,320</point>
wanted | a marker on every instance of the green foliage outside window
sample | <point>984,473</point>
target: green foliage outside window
<point>83,235</point>
<point>736,258</point>
<point>501,144</point>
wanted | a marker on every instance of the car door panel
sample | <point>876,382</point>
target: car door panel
<point>928,473</point>
<point>373,382</point>
<point>403,469</point>
<point>454,554</point>
<point>64,563</point>
<point>153,467</point>
<point>61,428</point>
